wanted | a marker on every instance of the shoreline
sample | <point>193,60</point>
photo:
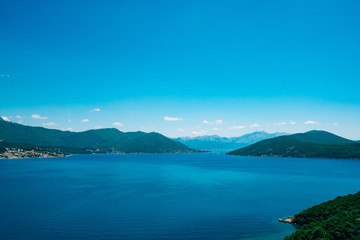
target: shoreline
<point>287,220</point>
<point>116,153</point>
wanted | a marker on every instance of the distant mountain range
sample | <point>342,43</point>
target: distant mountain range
<point>217,143</point>
<point>312,144</point>
<point>100,140</point>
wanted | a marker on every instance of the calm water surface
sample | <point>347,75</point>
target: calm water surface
<point>164,196</point>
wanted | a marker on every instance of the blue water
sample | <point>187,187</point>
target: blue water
<point>164,196</point>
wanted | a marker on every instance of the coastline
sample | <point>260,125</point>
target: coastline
<point>69,155</point>
<point>287,220</point>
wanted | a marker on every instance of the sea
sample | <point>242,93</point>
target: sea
<point>193,196</point>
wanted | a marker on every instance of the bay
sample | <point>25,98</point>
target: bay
<point>164,196</point>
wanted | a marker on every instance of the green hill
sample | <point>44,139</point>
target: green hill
<point>338,219</point>
<point>320,137</point>
<point>99,140</point>
<point>154,142</point>
<point>13,132</point>
<point>313,144</point>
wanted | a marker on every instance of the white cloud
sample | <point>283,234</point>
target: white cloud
<point>85,120</point>
<point>49,124</point>
<point>6,119</point>
<point>255,125</point>
<point>19,117</point>
<point>215,128</point>
<point>292,122</point>
<point>118,124</point>
<point>166,118</point>
<point>279,123</point>
<point>218,122</point>
<point>98,127</point>
<point>69,120</point>
<point>198,133</point>
<point>310,122</point>
<point>236,127</point>
<point>335,123</point>
<point>97,109</point>
<point>181,130</point>
<point>36,116</point>
<point>67,129</point>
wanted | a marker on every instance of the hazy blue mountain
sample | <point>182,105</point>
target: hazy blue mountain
<point>103,140</point>
<point>217,143</point>
<point>312,144</point>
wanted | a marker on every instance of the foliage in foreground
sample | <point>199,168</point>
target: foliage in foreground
<point>336,219</point>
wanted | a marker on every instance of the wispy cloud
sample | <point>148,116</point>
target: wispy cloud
<point>4,75</point>
<point>215,128</point>
<point>96,110</point>
<point>310,122</point>
<point>218,121</point>
<point>292,122</point>
<point>198,133</point>
<point>166,118</point>
<point>19,117</point>
<point>49,124</point>
<point>336,124</point>
<point>254,125</point>
<point>85,120</point>
<point>6,119</point>
<point>98,127</point>
<point>37,116</point>
<point>205,122</point>
<point>279,123</point>
<point>181,130</point>
<point>67,129</point>
<point>236,127</point>
<point>118,124</point>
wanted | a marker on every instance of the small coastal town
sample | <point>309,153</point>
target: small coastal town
<point>11,153</point>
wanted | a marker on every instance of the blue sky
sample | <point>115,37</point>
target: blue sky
<point>176,67</point>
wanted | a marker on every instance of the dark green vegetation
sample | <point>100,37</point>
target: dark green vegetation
<point>313,144</point>
<point>101,140</point>
<point>338,219</point>
<point>217,143</point>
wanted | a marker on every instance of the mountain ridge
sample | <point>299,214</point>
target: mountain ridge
<point>103,140</point>
<point>215,142</point>
<point>312,144</point>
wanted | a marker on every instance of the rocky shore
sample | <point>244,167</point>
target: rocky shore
<point>287,220</point>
